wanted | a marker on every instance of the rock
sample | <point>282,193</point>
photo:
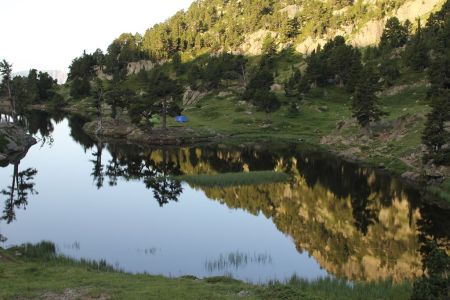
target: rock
<point>254,42</point>
<point>369,34</point>
<point>17,141</point>
<point>224,94</point>
<point>243,294</point>
<point>136,66</point>
<point>447,126</point>
<point>2,157</point>
<point>276,87</point>
<point>309,45</point>
<point>323,108</point>
<point>412,9</point>
<point>291,10</point>
<point>192,97</point>
<point>413,176</point>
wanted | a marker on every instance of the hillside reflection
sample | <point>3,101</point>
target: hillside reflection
<point>359,224</point>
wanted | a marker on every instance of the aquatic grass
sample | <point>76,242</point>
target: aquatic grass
<point>234,179</point>
<point>40,271</point>
<point>47,251</point>
<point>236,260</point>
<point>331,288</point>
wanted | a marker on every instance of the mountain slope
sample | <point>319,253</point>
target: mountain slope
<point>240,26</point>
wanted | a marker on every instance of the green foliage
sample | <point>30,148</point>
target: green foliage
<point>389,71</point>
<point>117,97</point>
<point>262,80</point>
<point>82,67</point>
<point>98,91</point>
<point>162,97</point>
<point>335,63</point>
<point>364,104</point>
<point>266,101</point>
<point>435,135</point>
<point>416,52</point>
<point>57,101</point>
<point>268,46</point>
<point>43,250</point>
<point>80,88</point>
<point>435,282</point>
<point>292,85</point>
<point>395,35</point>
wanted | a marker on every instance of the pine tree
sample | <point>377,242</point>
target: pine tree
<point>5,72</point>
<point>395,35</point>
<point>364,105</point>
<point>435,135</point>
<point>416,52</point>
<point>266,101</point>
<point>291,86</point>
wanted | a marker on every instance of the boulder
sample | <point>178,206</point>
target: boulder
<point>16,141</point>
<point>412,176</point>
<point>192,97</point>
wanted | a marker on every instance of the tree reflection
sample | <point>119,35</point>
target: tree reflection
<point>17,193</point>
<point>130,163</point>
<point>158,177</point>
<point>97,170</point>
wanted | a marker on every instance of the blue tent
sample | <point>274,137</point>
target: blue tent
<point>181,119</point>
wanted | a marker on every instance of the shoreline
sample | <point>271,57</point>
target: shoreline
<point>121,130</point>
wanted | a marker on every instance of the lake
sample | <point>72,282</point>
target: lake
<point>257,213</point>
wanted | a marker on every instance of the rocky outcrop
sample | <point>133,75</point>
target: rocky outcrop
<point>412,9</point>
<point>369,34</point>
<point>291,10</point>
<point>14,142</point>
<point>192,97</point>
<point>136,66</point>
<point>254,42</point>
<point>119,129</point>
<point>102,75</point>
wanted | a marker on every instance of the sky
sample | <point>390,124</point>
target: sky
<point>48,34</point>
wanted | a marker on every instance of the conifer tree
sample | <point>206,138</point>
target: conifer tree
<point>364,105</point>
<point>291,86</point>
<point>6,73</point>
<point>395,35</point>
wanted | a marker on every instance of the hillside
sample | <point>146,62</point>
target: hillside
<point>386,104</point>
<point>240,27</point>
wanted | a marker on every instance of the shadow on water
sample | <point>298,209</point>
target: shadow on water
<point>357,222</point>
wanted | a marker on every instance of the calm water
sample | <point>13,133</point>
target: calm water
<point>124,204</point>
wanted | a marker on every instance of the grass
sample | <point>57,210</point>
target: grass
<point>235,179</point>
<point>36,271</point>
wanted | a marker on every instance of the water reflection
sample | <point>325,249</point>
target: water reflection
<point>16,195</point>
<point>358,223</point>
<point>236,260</point>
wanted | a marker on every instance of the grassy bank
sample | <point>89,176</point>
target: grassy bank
<point>35,271</point>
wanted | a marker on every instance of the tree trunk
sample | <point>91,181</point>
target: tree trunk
<point>164,114</point>
<point>13,103</point>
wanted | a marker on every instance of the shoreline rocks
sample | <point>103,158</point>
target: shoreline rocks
<point>116,129</point>
<point>15,142</point>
